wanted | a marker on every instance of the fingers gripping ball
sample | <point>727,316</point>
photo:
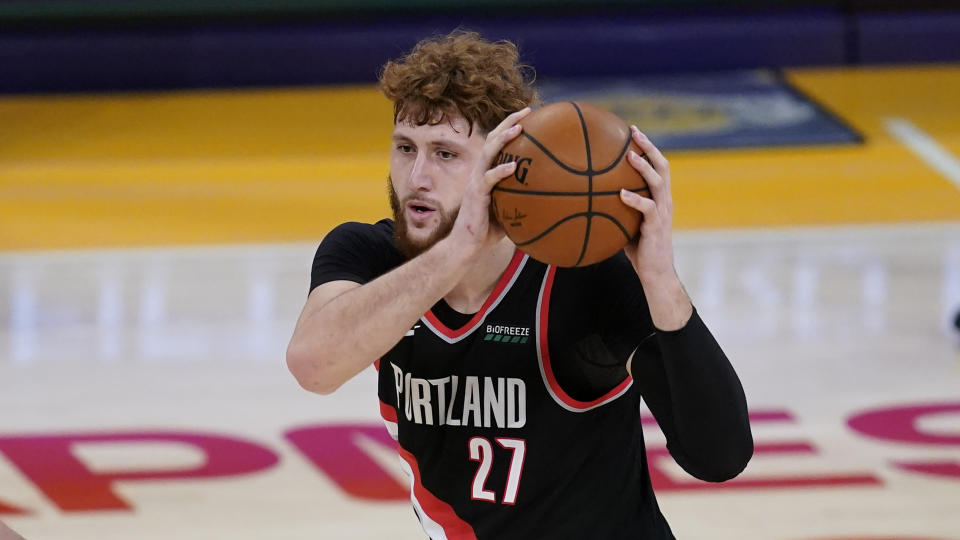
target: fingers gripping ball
<point>562,204</point>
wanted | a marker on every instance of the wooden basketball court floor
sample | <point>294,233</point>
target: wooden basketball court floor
<point>156,251</point>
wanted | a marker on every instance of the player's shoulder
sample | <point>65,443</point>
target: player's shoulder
<point>363,241</point>
<point>354,236</point>
<point>355,230</point>
<point>356,252</point>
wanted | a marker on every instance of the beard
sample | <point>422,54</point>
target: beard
<point>411,247</point>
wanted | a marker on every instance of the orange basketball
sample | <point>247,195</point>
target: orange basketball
<point>562,204</point>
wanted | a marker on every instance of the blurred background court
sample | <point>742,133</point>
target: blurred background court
<point>167,169</point>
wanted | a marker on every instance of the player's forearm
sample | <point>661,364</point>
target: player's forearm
<point>670,307</point>
<point>338,340</point>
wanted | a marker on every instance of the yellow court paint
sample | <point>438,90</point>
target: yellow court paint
<point>879,181</point>
<point>278,165</point>
<point>190,167</point>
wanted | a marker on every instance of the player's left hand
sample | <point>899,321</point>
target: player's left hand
<point>652,253</point>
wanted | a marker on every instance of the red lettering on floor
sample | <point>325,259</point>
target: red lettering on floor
<point>335,451</point>
<point>665,482</point>
<point>900,424</point>
<point>52,466</point>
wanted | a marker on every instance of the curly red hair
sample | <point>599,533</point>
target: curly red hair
<point>458,73</point>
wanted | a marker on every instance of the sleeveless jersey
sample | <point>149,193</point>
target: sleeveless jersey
<point>493,446</point>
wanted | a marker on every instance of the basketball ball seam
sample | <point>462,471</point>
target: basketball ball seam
<point>566,193</point>
<point>587,215</point>
<point>586,142</point>
<point>570,169</point>
<point>589,173</point>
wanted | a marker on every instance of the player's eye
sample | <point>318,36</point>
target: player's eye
<point>444,155</point>
<point>405,148</point>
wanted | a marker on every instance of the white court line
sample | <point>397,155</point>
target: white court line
<point>926,148</point>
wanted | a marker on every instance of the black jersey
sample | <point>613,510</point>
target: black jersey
<point>520,421</point>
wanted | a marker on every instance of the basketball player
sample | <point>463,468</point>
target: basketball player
<point>513,388</point>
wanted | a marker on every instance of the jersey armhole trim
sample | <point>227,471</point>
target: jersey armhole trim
<point>543,354</point>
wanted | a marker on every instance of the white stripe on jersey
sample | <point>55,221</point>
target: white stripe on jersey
<point>392,429</point>
<point>432,528</point>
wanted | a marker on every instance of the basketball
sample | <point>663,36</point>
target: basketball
<point>562,204</point>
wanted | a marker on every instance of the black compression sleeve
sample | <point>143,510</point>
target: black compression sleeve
<point>696,396</point>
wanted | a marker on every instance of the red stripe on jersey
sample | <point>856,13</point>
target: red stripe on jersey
<point>478,316</point>
<point>545,356</point>
<point>376,364</point>
<point>439,511</point>
<point>388,412</point>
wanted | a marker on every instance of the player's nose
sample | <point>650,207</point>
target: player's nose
<point>421,174</point>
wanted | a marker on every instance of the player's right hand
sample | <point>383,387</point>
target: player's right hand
<point>473,228</point>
